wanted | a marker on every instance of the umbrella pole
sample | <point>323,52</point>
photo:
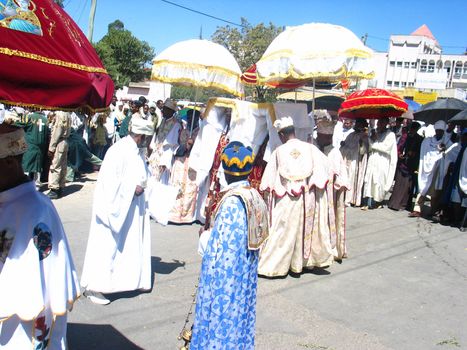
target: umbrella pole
<point>194,110</point>
<point>313,101</point>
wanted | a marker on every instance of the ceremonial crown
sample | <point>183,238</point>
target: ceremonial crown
<point>237,159</point>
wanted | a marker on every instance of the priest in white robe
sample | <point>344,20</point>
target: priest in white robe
<point>355,154</point>
<point>381,167</point>
<point>118,255</point>
<point>340,182</point>
<point>302,233</point>
<point>431,153</point>
<point>342,130</point>
<point>38,280</point>
<point>165,143</point>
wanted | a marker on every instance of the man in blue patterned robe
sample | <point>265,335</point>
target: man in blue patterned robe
<point>226,302</point>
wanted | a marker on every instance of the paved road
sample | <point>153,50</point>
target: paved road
<point>404,286</point>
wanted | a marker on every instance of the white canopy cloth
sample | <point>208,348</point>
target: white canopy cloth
<point>199,63</point>
<point>317,51</point>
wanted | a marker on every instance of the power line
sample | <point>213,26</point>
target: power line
<point>82,10</point>
<point>203,13</point>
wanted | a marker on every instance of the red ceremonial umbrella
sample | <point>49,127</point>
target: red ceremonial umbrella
<point>372,104</point>
<point>46,62</point>
<point>249,77</point>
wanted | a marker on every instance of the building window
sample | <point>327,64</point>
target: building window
<point>392,63</point>
<point>423,66</point>
<point>431,66</point>
<point>411,84</point>
<point>399,64</point>
<point>413,64</point>
<point>389,83</point>
<point>406,64</point>
<point>403,84</point>
<point>396,84</point>
<point>458,70</point>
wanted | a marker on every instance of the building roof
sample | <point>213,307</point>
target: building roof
<point>424,31</point>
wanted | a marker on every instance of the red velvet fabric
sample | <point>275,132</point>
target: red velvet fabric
<point>372,104</point>
<point>47,62</point>
<point>249,77</point>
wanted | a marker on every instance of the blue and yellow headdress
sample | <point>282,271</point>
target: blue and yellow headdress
<point>237,159</point>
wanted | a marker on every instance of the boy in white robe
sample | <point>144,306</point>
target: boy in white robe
<point>118,255</point>
<point>38,281</point>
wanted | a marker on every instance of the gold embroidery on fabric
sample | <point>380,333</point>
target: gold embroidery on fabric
<point>203,84</point>
<point>51,23</point>
<point>10,52</point>
<point>295,153</point>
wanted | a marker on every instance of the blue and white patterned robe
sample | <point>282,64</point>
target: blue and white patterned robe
<point>226,303</point>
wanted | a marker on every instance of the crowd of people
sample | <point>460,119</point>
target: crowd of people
<point>270,194</point>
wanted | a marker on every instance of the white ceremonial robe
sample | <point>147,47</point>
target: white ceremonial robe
<point>164,146</point>
<point>38,280</point>
<point>448,157</point>
<point>341,185</point>
<point>355,155</point>
<point>301,231</point>
<point>340,134</point>
<point>429,160</point>
<point>118,254</point>
<point>381,166</point>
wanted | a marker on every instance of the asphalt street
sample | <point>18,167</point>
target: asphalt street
<point>403,286</point>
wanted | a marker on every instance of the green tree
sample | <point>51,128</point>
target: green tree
<point>125,57</point>
<point>247,45</point>
<point>193,94</point>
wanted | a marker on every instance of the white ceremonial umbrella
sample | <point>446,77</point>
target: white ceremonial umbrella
<point>315,52</point>
<point>198,63</point>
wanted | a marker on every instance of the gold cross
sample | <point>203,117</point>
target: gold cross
<point>295,153</point>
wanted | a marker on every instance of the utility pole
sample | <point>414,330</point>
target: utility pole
<point>92,14</point>
<point>201,33</point>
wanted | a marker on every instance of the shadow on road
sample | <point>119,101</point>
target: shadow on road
<point>97,337</point>
<point>165,268</point>
<point>71,189</point>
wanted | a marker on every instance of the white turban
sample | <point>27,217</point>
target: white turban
<point>152,104</point>
<point>12,143</point>
<point>282,123</point>
<point>142,126</point>
<point>440,125</point>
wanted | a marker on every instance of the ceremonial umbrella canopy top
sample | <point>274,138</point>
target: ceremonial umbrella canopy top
<point>314,51</point>
<point>46,61</point>
<point>198,63</point>
<point>372,104</point>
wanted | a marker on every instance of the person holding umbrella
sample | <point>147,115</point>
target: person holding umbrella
<point>431,152</point>
<point>381,166</point>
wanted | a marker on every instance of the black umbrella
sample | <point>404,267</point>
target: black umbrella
<point>442,109</point>
<point>459,118</point>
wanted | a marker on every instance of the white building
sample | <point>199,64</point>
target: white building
<point>416,61</point>
<point>152,90</point>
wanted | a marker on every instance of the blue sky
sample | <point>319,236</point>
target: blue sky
<point>162,24</point>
